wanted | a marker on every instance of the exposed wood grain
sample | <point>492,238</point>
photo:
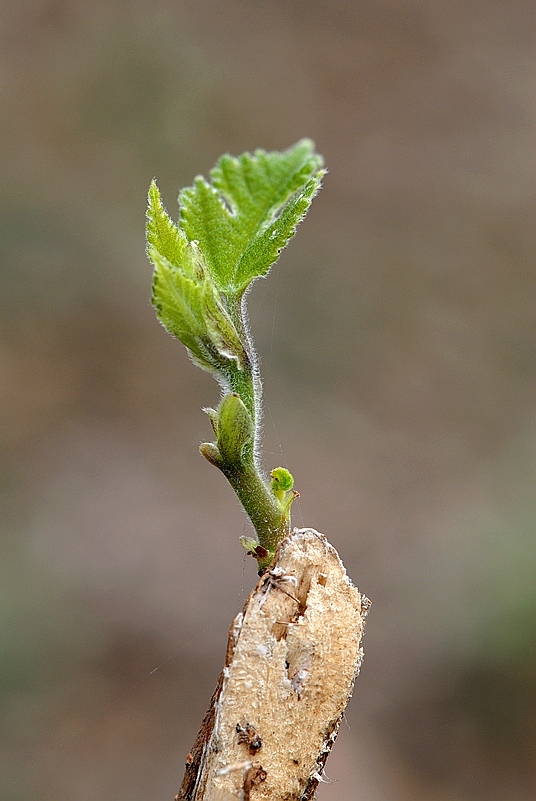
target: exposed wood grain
<point>293,655</point>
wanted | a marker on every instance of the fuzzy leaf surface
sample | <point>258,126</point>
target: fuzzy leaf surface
<point>248,213</point>
<point>191,311</point>
<point>162,233</point>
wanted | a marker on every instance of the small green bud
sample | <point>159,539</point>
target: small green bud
<point>281,486</point>
<point>282,481</point>
<point>249,543</point>
<point>211,453</point>
<point>235,428</point>
<point>254,547</point>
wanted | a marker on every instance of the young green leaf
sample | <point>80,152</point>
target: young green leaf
<point>162,234</point>
<point>246,216</point>
<point>190,310</point>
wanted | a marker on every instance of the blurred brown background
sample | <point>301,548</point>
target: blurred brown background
<point>397,335</point>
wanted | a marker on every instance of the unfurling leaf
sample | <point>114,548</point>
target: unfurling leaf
<point>162,234</point>
<point>246,216</point>
<point>188,305</point>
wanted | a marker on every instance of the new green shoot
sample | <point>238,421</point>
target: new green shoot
<point>230,232</point>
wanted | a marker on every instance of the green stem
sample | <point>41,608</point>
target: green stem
<point>269,519</point>
<point>259,503</point>
<point>246,382</point>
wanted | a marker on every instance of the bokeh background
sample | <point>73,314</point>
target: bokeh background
<point>398,340</point>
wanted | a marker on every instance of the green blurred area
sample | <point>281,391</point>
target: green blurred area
<point>397,337</point>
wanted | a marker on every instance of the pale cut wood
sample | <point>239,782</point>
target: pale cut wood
<point>293,655</point>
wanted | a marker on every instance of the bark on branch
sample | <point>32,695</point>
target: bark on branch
<point>293,655</point>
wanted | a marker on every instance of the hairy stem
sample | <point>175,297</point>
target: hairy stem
<point>246,382</point>
<point>259,503</point>
<point>246,478</point>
